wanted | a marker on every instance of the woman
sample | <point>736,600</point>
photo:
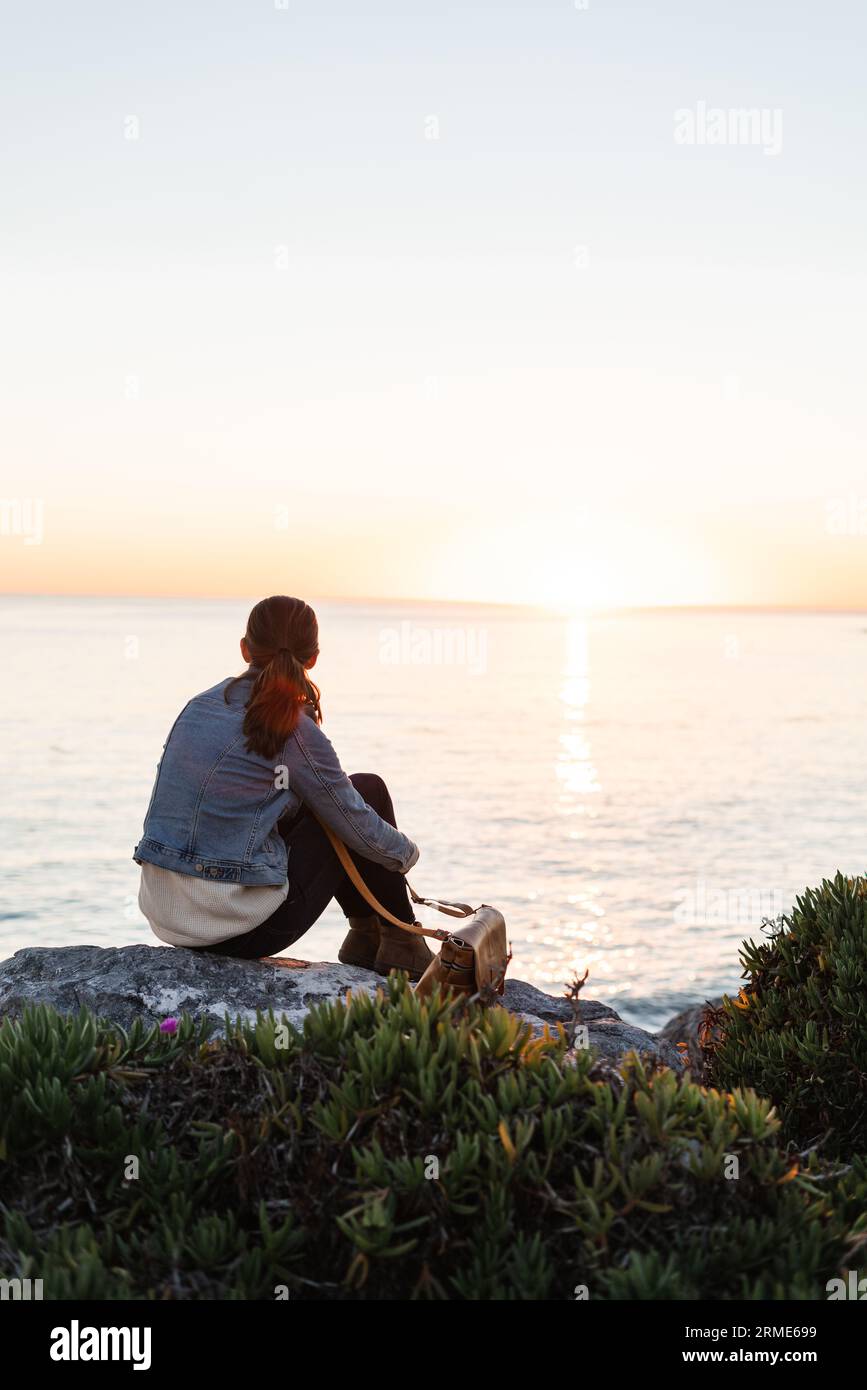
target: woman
<point>233,858</point>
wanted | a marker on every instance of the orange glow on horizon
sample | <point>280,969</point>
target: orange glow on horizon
<point>594,562</point>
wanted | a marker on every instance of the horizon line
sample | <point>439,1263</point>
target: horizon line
<point>535,607</point>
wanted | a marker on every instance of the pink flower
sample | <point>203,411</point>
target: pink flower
<point>169,1025</point>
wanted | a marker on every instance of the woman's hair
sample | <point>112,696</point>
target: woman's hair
<point>283,637</point>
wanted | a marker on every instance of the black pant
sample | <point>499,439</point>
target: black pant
<point>316,876</point>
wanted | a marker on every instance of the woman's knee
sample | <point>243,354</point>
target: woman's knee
<point>368,781</point>
<point>372,787</point>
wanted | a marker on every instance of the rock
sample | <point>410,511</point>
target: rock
<point>684,1028</point>
<point>521,998</point>
<point>155,982</point>
<point>608,1033</point>
<point>611,1038</point>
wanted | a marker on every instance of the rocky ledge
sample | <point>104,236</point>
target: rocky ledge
<point>157,982</point>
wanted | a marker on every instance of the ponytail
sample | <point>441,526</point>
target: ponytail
<point>283,637</point>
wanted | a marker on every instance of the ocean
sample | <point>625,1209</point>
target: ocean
<point>634,791</point>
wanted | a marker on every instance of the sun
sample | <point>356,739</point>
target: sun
<point>578,565</point>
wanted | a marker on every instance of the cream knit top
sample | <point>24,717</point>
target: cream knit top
<point>184,910</point>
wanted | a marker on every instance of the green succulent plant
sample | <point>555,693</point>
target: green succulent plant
<point>394,1148</point>
<point>797,1031</point>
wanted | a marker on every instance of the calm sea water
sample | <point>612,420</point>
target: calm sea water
<point>635,792</point>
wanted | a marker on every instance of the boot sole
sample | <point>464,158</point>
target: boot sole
<point>363,963</point>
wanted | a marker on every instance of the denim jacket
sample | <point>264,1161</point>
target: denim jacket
<point>214,806</point>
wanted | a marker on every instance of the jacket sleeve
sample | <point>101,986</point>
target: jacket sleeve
<point>315,775</point>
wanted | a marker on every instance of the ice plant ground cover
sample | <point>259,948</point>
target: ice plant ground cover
<point>397,1148</point>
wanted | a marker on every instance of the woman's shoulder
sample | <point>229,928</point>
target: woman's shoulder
<point>308,739</point>
<point>234,690</point>
<point>307,730</point>
<point>226,698</point>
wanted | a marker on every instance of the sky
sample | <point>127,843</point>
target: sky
<point>481,301</point>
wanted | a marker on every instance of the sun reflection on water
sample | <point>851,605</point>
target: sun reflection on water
<point>577,940</point>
